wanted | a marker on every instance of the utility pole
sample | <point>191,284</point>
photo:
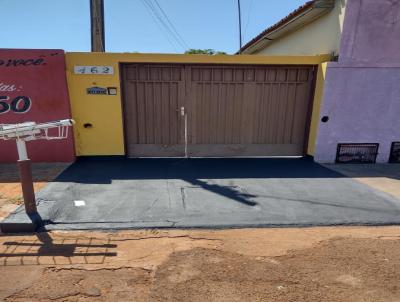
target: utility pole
<point>97,25</point>
<point>240,26</point>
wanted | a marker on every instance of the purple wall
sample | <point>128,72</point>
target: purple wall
<point>362,90</point>
<point>371,32</point>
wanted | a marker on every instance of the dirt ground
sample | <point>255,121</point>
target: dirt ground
<point>10,187</point>
<point>310,264</point>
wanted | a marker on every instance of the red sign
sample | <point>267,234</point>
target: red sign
<point>33,88</point>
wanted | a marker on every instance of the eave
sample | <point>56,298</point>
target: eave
<point>304,15</point>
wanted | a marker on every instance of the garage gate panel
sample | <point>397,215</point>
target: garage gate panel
<point>152,97</point>
<point>230,110</point>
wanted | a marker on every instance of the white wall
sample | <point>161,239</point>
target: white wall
<point>319,37</point>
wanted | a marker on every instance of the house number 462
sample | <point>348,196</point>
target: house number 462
<point>20,104</point>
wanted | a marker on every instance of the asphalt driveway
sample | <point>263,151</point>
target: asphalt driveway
<point>119,193</point>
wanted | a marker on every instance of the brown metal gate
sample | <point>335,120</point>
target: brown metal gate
<point>199,110</point>
<point>153,96</point>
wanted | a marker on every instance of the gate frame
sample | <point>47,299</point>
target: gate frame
<point>311,104</point>
<point>202,62</point>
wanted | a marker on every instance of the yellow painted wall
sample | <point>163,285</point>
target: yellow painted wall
<point>318,96</point>
<point>104,112</point>
<point>320,36</point>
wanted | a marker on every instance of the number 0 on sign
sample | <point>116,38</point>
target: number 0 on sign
<point>93,70</point>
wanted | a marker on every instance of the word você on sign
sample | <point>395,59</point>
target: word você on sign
<point>21,62</point>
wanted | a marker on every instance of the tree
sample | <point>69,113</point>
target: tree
<point>209,52</point>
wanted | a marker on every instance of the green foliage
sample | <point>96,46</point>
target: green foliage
<point>209,52</point>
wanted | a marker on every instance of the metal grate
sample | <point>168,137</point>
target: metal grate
<point>395,153</point>
<point>357,153</point>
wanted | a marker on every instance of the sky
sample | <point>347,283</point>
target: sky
<point>130,26</point>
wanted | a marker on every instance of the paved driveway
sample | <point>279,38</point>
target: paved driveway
<point>118,193</point>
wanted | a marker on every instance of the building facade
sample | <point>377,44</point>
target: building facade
<point>314,28</point>
<point>362,92</point>
<point>344,93</point>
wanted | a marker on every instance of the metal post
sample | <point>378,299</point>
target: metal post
<point>240,27</point>
<point>25,174</point>
<point>22,153</point>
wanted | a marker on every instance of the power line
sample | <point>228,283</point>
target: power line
<point>248,19</point>
<point>160,20</point>
<point>172,25</point>
<point>164,23</point>
<point>157,22</point>
<point>171,29</point>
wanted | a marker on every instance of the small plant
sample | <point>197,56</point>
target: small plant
<point>16,200</point>
<point>210,52</point>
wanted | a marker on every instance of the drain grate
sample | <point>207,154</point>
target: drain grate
<point>395,153</point>
<point>357,153</point>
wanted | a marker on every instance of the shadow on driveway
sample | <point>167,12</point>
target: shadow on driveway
<point>120,193</point>
<point>102,170</point>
